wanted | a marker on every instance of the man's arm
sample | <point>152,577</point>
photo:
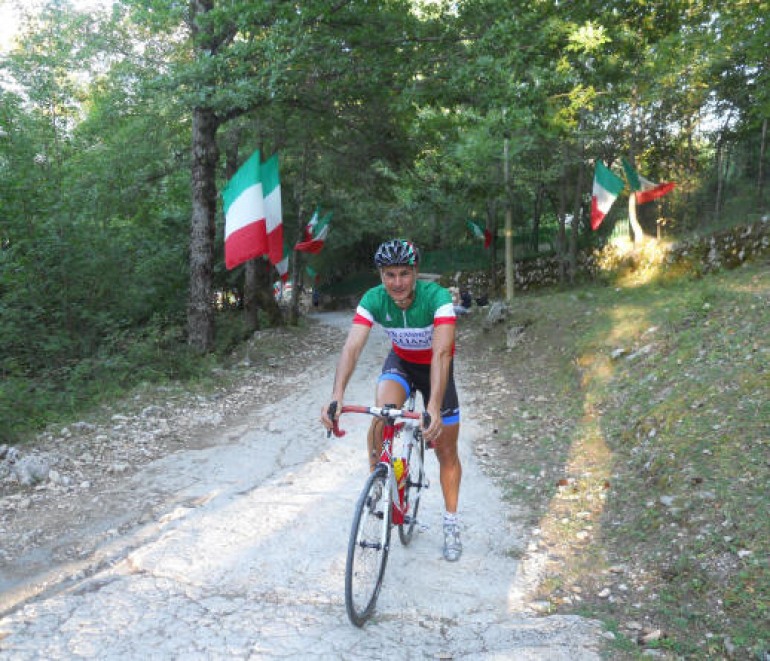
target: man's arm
<point>348,360</point>
<point>443,345</point>
<point>346,365</point>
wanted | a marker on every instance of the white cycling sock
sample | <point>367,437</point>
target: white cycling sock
<point>451,518</point>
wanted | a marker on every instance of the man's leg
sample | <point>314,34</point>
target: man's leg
<point>388,392</point>
<point>450,474</point>
<point>450,470</point>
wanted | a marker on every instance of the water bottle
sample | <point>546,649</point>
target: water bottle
<point>401,473</point>
<point>398,468</point>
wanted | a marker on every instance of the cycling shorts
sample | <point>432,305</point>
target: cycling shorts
<point>418,375</point>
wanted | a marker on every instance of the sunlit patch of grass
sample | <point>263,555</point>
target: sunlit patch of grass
<point>668,385</point>
<point>688,423</point>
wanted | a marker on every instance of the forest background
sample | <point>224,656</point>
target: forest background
<point>119,128</point>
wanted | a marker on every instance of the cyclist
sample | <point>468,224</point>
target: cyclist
<point>419,318</point>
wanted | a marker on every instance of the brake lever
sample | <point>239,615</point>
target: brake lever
<point>425,424</point>
<point>331,412</point>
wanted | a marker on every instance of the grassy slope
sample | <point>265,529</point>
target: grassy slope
<point>640,436</point>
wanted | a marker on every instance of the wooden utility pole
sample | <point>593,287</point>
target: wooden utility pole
<point>508,228</point>
<point>760,169</point>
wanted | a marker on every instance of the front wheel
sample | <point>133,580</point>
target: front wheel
<point>415,458</point>
<point>368,547</point>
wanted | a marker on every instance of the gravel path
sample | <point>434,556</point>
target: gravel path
<point>234,548</point>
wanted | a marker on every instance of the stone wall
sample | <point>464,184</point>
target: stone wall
<point>724,249</point>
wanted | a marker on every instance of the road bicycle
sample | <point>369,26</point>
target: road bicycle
<point>390,497</point>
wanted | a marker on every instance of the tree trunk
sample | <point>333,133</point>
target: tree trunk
<point>492,224</point>
<point>296,290</point>
<point>720,179</point>
<point>633,220</point>
<point>636,227</point>
<point>538,212</point>
<point>263,292</point>
<point>573,235</point>
<point>761,169</point>
<point>561,248</point>
<point>301,223</point>
<point>436,231</point>
<point>232,142</point>
<point>205,154</point>
<point>250,295</point>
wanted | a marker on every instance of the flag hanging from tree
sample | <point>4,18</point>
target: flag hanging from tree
<point>283,266</point>
<point>271,190</point>
<point>316,232</point>
<point>252,201</point>
<point>484,235</point>
<point>644,189</point>
<point>312,273</point>
<point>307,234</point>
<point>607,187</point>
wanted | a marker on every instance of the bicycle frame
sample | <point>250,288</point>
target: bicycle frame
<point>391,427</point>
<point>390,415</point>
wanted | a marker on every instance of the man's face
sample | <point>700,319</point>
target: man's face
<point>399,282</point>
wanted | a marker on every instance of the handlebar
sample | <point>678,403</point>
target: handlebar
<point>387,411</point>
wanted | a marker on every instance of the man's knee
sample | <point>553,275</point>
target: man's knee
<point>446,447</point>
<point>374,441</point>
<point>375,428</point>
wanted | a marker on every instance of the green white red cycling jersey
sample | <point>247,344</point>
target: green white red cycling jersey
<point>411,330</point>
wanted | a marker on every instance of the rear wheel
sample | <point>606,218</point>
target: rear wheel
<point>368,547</point>
<point>416,462</point>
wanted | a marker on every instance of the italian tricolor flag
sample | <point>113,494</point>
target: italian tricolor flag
<point>644,189</point>
<point>307,234</point>
<point>316,232</point>
<point>483,234</point>
<point>253,225</point>
<point>607,187</point>
<point>283,266</point>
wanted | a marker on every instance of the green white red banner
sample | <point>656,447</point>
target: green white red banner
<point>644,189</point>
<point>253,216</point>
<point>607,186</point>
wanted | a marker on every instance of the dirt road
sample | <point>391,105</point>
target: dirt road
<point>244,557</point>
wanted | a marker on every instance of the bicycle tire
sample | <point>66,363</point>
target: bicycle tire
<point>416,481</point>
<point>368,547</point>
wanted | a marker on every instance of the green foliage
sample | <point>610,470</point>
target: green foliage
<point>124,359</point>
<point>394,117</point>
<point>353,286</point>
<point>465,258</point>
